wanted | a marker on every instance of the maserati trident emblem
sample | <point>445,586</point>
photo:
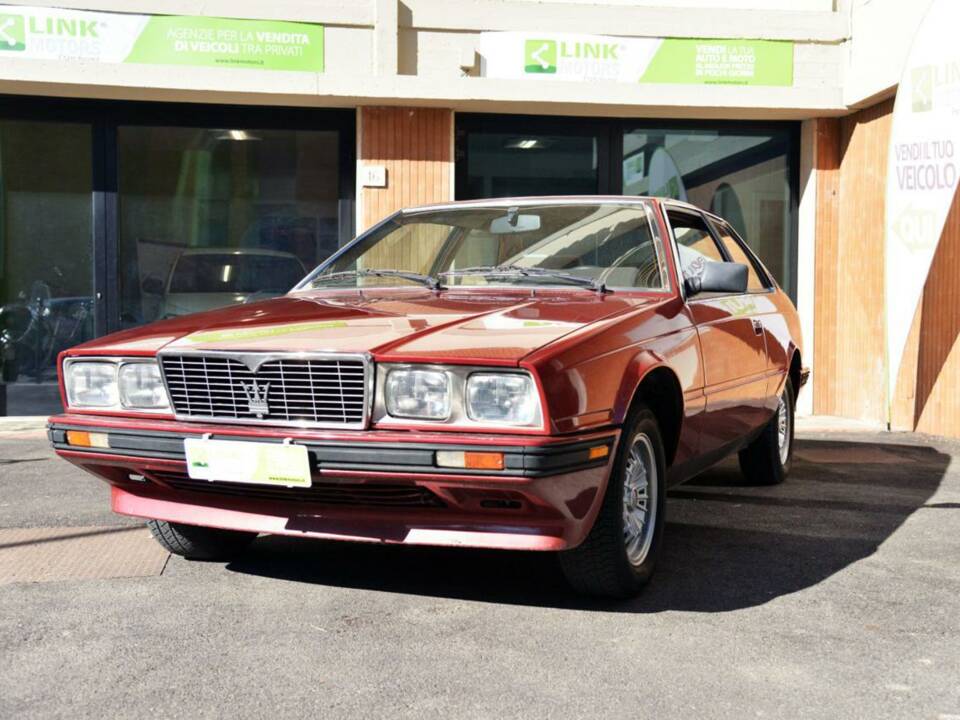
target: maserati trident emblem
<point>257,399</point>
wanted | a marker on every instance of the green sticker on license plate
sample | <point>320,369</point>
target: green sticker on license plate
<point>247,462</point>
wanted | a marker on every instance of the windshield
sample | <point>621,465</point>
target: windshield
<point>235,273</point>
<point>611,245</point>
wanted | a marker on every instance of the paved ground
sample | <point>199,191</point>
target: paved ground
<point>836,595</point>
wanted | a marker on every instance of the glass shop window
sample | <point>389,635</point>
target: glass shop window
<point>744,177</point>
<point>212,217</point>
<point>46,257</point>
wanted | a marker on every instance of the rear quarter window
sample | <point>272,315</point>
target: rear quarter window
<point>755,279</point>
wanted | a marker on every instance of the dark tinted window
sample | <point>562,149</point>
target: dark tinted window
<point>46,257</point>
<point>222,189</point>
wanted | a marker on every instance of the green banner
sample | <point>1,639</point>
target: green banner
<point>45,33</point>
<point>220,42</point>
<point>553,57</point>
<point>721,62</point>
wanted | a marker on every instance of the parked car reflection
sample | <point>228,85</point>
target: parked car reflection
<point>204,279</point>
<point>36,327</point>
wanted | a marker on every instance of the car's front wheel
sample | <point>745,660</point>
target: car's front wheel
<point>200,543</point>
<point>618,556</point>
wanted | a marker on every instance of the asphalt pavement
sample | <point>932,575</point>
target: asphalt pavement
<point>834,595</point>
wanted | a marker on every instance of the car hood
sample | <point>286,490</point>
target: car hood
<point>498,327</point>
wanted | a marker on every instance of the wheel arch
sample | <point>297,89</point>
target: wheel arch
<point>794,372</point>
<point>659,388</point>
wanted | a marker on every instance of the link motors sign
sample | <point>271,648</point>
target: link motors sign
<point>42,33</point>
<point>566,56</point>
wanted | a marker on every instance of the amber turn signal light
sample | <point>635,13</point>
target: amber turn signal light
<point>598,452</point>
<point>470,460</point>
<point>81,438</point>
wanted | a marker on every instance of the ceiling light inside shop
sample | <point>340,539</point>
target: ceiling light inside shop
<point>525,144</point>
<point>237,135</point>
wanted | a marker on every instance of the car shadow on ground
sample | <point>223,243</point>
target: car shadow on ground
<point>727,546</point>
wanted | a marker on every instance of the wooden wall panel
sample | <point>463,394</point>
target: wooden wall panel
<point>827,168</point>
<point>850,357</point>
<point>414,144</point>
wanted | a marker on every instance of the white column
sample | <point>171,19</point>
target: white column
<point>806,256</point>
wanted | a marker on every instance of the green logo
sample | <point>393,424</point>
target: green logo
<point>922,80</point>
<point>540,56</point>
<point>12,33</point>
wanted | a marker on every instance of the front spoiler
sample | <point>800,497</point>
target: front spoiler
<point>545,498</point>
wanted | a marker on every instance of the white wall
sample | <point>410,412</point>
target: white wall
<point>795,5</point>
<point>881,34</point>
<point>806,256</point>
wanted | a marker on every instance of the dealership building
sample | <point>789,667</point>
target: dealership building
<point>138,136</point>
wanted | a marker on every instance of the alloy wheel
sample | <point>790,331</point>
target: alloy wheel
<point>783,429</point>
<point>639,499</point>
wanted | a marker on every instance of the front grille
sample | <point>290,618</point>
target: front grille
<point>326,391</point>
<point>353,494</point>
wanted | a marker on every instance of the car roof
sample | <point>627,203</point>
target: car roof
<point>528,200</point>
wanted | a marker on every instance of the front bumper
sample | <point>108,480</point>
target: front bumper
<point>367,485</point>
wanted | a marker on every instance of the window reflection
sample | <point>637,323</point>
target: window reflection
<point>46,258</point>
<point>211,217</point>
<point>742,176</point>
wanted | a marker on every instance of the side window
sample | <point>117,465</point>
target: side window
<point>738,255</point>
<point>695,244</point>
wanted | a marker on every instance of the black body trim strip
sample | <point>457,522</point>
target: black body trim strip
<point>524,461</point>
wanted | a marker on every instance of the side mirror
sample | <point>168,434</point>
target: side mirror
<point>718,277</point>
<point>153,286</point>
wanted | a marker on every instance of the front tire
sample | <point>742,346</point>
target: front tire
<point>619,555</point>
<point>199,543</point>
<point>767,460</point>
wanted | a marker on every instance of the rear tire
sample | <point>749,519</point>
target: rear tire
<point>766,461</point>
<point>619,555</point>
<point>199,543</point>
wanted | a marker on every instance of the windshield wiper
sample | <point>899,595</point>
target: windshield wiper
<point>429,280</point>
<point>517,270</point>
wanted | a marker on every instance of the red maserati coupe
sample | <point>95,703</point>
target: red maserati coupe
<point>525,373</point>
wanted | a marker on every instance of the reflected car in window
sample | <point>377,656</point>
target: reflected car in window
<point>526,374</point>
<point>204,279</point>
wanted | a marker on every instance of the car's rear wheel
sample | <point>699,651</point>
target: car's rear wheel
<point>200,543</point>
<point>766,461</point>
<point>618,556</point>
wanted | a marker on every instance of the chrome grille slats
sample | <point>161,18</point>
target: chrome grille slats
<point>301,389</point>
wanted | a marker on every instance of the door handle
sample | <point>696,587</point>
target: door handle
<point>757,326</point>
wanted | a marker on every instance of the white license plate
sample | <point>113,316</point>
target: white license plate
<point>248,462</point>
